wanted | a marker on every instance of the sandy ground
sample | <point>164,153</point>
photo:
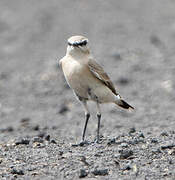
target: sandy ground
<point>41,120</point>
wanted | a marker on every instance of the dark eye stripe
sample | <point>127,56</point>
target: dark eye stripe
<point>82,43</point>
<point>69,44</point>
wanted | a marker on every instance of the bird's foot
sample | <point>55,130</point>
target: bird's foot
<point>82,143</point>
<point>85,142</point>
<point>98,139</point>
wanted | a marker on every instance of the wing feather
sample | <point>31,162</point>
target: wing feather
<point>99,73</point>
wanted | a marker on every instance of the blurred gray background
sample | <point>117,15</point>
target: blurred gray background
<point>133,40</point>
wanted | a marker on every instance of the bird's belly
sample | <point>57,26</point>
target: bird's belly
<point>93,89</point>
<point>79,86</point>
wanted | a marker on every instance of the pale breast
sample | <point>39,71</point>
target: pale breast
<point>76,76</point>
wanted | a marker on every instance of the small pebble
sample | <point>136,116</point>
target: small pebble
<point>25,120</point>
<point>84,143</point>
<point>47,138</point>
<point>156,150</point>
<point>155,40</point>
<point>60,153</point>
<point>1,160</point>
<point>23,141</point>
<point>4,75</point>
<point>124,153</point>
<point>170,161</point>
<point>100,172</point>
<point>116,163</point>
<point>18,172</point>
<point>53,141</point>
<point>8,129</point>
<point>154,140</point>
<point>124,145</point>
<point>167,146</point>
<point>127,167</point>
<point>38,145</point>
<point>37,139</point>
<point>83,159</point>
<point>123,81</point>
<point>82,173</point>
<point>164,134</point>
<point>111,141</point>
<point>36,128</point>
<point>54,127</point>
<point>63,109</point>
<point>132,130</point>
<point>117,56</point>
<point>140,134</point>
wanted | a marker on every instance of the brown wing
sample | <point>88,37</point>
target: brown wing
<point>99,73</point>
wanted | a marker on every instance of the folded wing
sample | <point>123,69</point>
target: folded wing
<point>99,73</point>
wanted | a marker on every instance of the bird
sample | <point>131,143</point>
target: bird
<point>88,80</point>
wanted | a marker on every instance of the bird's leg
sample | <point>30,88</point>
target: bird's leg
<point>87,116</point>
<point>99,118</point>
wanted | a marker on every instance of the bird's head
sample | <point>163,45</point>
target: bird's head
<point>77,46</point>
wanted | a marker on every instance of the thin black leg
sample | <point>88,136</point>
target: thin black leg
<point>98,129</point>
<point>87,116</point>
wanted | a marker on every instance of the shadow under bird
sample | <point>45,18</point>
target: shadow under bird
<point>87,79</point>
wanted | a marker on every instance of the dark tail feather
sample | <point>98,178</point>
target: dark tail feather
<point>124,104</point>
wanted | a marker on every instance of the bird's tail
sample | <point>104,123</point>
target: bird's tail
<point>120,102</point>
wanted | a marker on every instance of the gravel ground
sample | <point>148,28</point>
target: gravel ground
<point>41,120</point>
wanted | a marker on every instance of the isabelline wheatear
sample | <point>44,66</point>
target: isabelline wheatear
<point>88,79</point>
